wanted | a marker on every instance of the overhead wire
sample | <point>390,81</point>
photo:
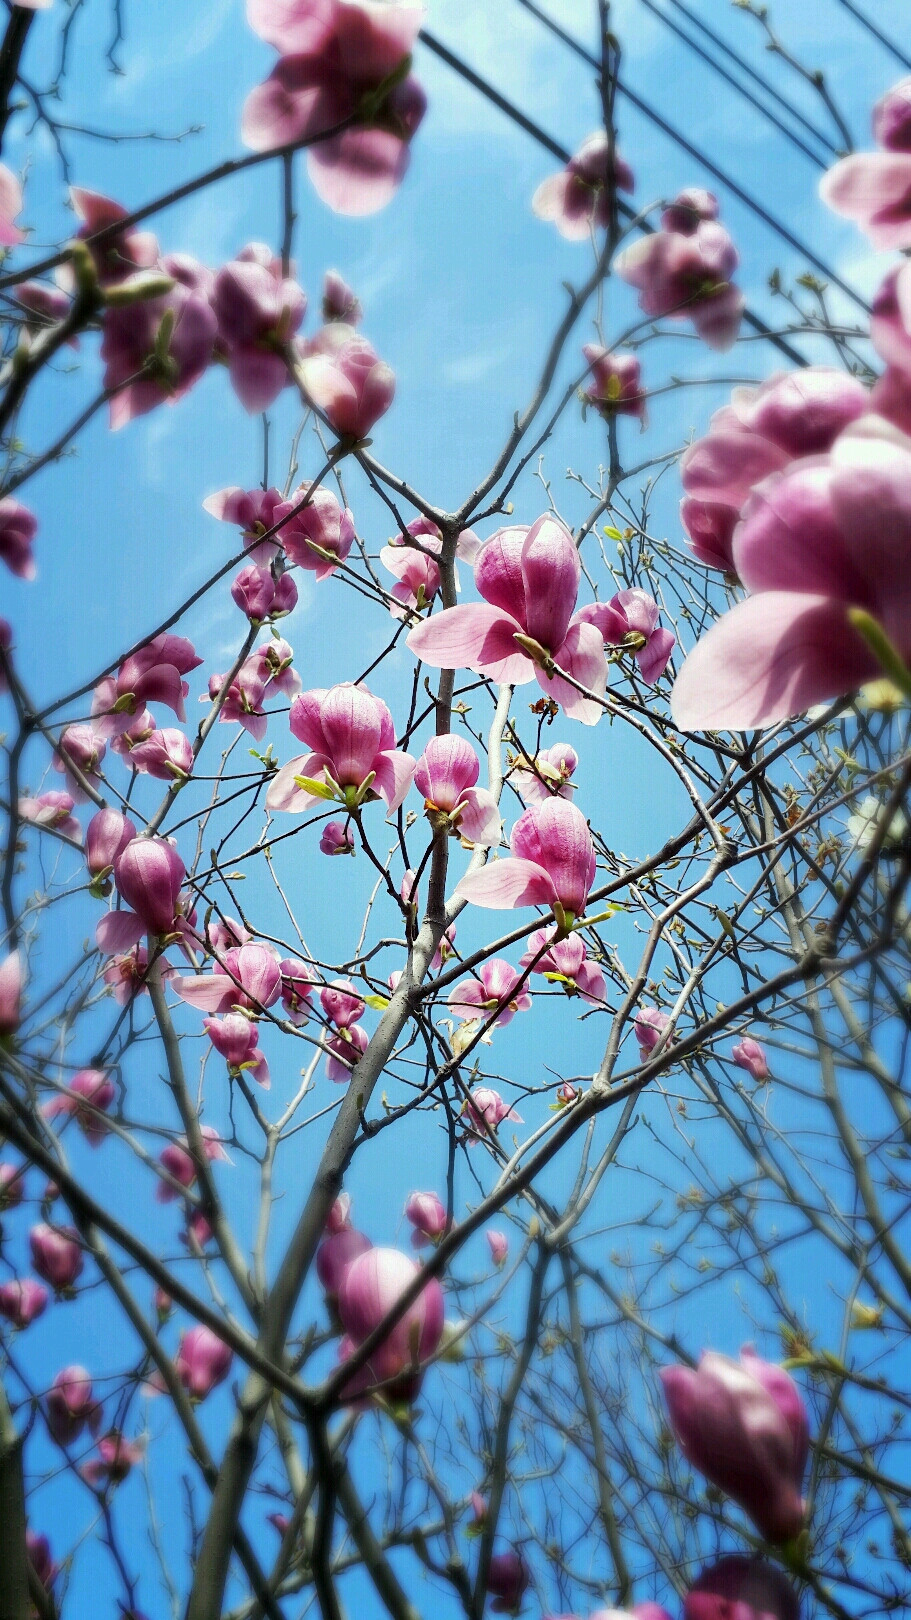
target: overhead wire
<point>871,28</point>
<point>701,157</point>
<point>540,135</point>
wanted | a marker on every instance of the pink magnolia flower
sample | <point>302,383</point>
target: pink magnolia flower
<point>341,1003</point>
<point>446,774</point>
<point>342,60</point>
<point>346,379</point>
<point>273,659</point>
<point>248,976</point>
<point>688,277</point>
<point>339,302</point>
<point>254,511</point>
<point>83,747</point>
<point>416,573</point>
<point>116,1457</point>
<point>91,1093</point>
<point>106,837</point>
<point>198,1233</point>
<point>427,1214</point>
<point>236,1039</point>
<point>874,188</point>
<point>18,527</point>
<point>138,730</point>
<point>11,981</point>
<point>371,1286</point>
<point>483,1110</point>
<point>297,980</point>
<point>565,962</point>
<point>581,196</point>
<point>244,700</point>
<point>336,839</point>
<point>354,754</point>
<point>44,306</point>
<point>334,1256</point>
<point>56,1255</point>
<point>154,674</point>
<point>261,595</point>
<point>21,1300</point>
<point>508,1579</point>
<point>649,1025</point>
<point>552,864</point>
<point>744,1425</point>
<point>125,974</point>
<point>529,578</point>
<point>816,540</point>
<point>630,621</point>
<point>689,207</point>
<point>258,310</point>
<point>751,1055</point>
<point>38,1547</point>
<point>181,1165</point>
<point>493,990</point>
<point>203,1361</point>
<point>738,1588</point>
<point>339,1216</point>
<point>167,755</point>
<point>498,1243</point>
<point>155,350</point>
<point>615,386</point>
<point>71,1405</point>
<point>12,1185</point>
<point>343,1050</point>
<point>320,535</point>
<point>10,208</point>
<point>52,810</point>
<point>149,875</point>
<point>225,933</point>
<point>124,251</point>
<point>547,774</point>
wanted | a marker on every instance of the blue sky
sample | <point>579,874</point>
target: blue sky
<point>460,286</point>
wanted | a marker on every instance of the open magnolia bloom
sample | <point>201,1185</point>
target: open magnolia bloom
<point>822,538</point>
<point>354,754</point>
<point>874,188</point>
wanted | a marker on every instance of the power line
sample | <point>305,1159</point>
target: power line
<point>701,157</point>
<point>741,89</point>
<point>547,141</point>
<point>872,29</point>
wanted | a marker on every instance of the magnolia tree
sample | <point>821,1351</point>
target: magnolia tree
<point>325,1284</point>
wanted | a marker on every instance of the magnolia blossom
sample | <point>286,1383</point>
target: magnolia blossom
<point>297,979</point>
<point>167,755</point>
<point>52,810</point>
<point>10,208</point>
<point>336,839</point>
<point>334,1256</point>
<point>354,755</point>
<point>181,1166</point>
<point>106,837</point>
<point>156,349</point>
<point>320,535</point>
<point>81,749</point>
<point>258,309</point>
<point>262,594</point>
<point>12,1185</point>
<point>498,1243</point>
<point>552,864</point>
<point>508,1579</point>
<point>22,1300</point>
<point>427,1214</point>
<point>346,379</point>
<point>874,188</point>
<point>154,674</point>
<point>565,962</point>
<point>483,1110</point>
<point>738,1588</point>
<point>236,1038</point>
<point>689,207</point>
<point>751,1055</point>
<point>688,277</point>
<point>243,702</point>
<point>125,974</point>
<point>343,1050</point>
<point>417,574</point>
<point>547,774</point>
<point>247,976</point>
<point>56,1255</point>
<point>71,1405</point>
<point>371,1286</point>
<point>817,540</point>
<point>225,933</point>
<point>630,621</point>
<point>38,1547</point>
<point>254,511</point>
<point>744,1425</point>
<point>91,1094</point>
<point>11,980</point>
<point>343,62</point>
<point>122,252</point>
<point>582,195</point>
<point>149,875</point>
<point>18,527</point>
<point>116,1457</point>
<point>529,578</point>
<point>614,389</point>
<point>339,1216</point>
<point>339,302</point>
<point>446,774</point>
<point>203,1361</point>
<point>649,1026</point>
<point>494,990</point>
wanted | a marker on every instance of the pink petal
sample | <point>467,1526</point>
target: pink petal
<point>476,637</point>
<point>359,171</point>
<point>210,992</point>
<point>480,818</point>
<point>551,572</point>
<point>117,932</point>
<point>507,884</point>
<point>284,793</point>
<point>582,656</point>
<point>257,377</point>
<point>770,657</point>
<point>874,189</point>
<point>394,772</point>
<point>653,657</point>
